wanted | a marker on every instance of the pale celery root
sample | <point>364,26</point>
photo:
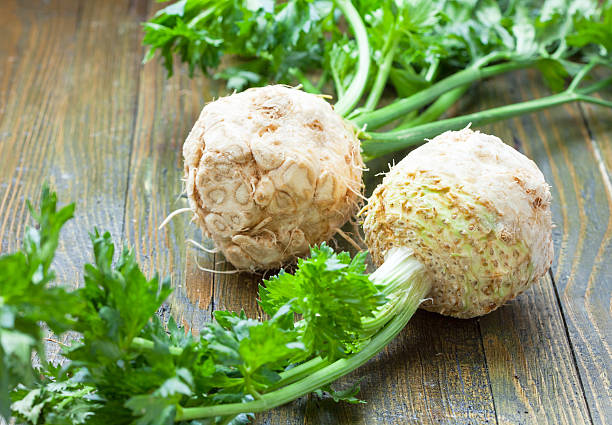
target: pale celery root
<point>269,172</point>
<point>475,212</point>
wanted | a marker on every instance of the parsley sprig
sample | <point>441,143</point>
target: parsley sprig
<point>126,367</point>
<point>427,52</point>
<point>27,299</point>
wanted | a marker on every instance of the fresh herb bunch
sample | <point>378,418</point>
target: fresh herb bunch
<point>429,52</point>
<point>26,299</point>
<point>128,368</point>
<point>200,32</point>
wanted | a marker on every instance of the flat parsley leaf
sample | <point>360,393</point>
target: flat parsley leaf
<point>332,292</point>
<point>257,350</point>
<point>25,298</point>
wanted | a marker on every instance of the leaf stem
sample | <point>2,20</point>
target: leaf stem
<point>382,116</point>
<point>304,81</point>
<point>202,15</point>
<point>382,143</point>
<point>412,290</point>
<point>299,372</point>
<point>581,74</point>
<point>351,97</point>
<point>145,344</point>
<point>228,419</point>
<point>381,77</point>
<point>322,80</point>
<point>436,109</point>
<point>432,70</point>
<point>596,86</point>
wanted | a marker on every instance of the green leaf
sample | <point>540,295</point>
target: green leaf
<point>25,298</point>
<point>159,408</point>
<point>554,73</point>
<point>597,32</point>
<point>152,410</point>
<point>278,36</point>
<point>406,82</point>
<point>120,301</point>
<point>347,395</point>
<point>332,292</point>
<point>27,407</point>
<point>258,350</point>
<point>417,16</point>
<point>238,78</point>
<point>55,402</point>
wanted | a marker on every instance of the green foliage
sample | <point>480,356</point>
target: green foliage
<point>332,293</point>
<point>269,38</point>
<point>257,350</point>
<point>54,401</point>
<point>129,368</point>
<point>348,395</point>
<point>120,301</point>
<point>594,32</point>
<point>25,298</point>
<point>427,39</point>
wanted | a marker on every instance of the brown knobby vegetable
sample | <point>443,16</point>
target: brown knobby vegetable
<point>461,225</point>
<point>476,214</point>
<point>269,172</point>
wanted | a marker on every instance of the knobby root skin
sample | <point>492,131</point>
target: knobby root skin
<point>475,212</point>
<point>269,172</point>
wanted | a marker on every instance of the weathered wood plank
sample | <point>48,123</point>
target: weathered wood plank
<point>27,102</point>
<point>531,363</point>
<point>434,372</point>
<point>68,97</point>
<point>581,270</point>
<point>167,109</point>
<point>587,291</point>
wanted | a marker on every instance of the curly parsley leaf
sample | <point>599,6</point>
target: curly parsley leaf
<point>596,32</point>
<point>269,37</point>
<point>55,401</point>
<point>258,350</point>
<point>332,292</point>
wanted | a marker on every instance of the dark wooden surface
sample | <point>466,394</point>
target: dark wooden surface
<point>78,109</point>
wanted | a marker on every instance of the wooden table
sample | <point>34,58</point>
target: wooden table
<point>78,109</point>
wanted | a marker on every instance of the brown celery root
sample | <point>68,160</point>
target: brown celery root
<point>271,171</point>
<point>475,212</point>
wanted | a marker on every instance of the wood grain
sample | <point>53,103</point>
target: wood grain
<point>581,271</point>
<point>434,372</point>
<point>68,118</point>
<point>78,109</point>
<point>594,316</point>
<point>167,109</point>
<point>530,362</point>
<point>530,334</point>
<point>25,127</point>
